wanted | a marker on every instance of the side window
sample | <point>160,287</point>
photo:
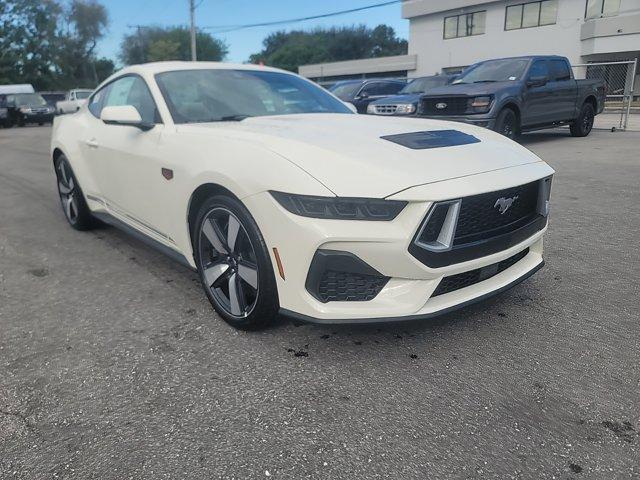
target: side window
<point>390,88</point>
<point>376,88</point>
<point>132,90</point>
<point>95,102</point>
<point>560,70</point>
<point>539,69</point>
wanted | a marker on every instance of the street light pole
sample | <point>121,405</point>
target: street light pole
<point>192,11</point>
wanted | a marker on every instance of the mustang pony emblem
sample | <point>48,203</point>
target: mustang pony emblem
<point>504,204</point>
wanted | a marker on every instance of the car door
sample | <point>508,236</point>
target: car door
<point>537,97</point>
<point>565,90</point>
<point>127,161</point>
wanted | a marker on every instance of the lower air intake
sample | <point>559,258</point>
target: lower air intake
<point>466,279</point>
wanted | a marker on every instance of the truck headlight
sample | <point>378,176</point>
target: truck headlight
<point>405,108</point>
<point>25,110</point>
<point>480,104</point>
<point>340,208</point>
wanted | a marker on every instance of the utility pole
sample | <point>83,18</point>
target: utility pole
<point>192,11</point>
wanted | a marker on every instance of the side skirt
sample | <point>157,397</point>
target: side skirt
<point>120,225</point>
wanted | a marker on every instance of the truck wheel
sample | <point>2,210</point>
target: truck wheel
<point>581,126</point>
<point>507,124</point>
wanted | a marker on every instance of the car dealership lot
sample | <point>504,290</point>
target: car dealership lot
<point>113,365</point>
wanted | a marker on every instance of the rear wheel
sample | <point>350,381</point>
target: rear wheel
<point>234,264</point>
<point>71,197</point>
<point>581,126</point>
<point>507,124</point>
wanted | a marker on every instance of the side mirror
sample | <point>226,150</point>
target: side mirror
<point>124,115</point>
<point>351,107</point>
<point>537,81</point>
<point>363,95</point>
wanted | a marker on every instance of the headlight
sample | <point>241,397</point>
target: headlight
<point>25,110</point>
<point>405,108</point>
<point>480,104</point>
<point>340,208</point>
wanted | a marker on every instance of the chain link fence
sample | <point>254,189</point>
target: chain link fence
<point>619,78</point>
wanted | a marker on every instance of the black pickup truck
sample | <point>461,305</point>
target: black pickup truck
<point>514,95</point>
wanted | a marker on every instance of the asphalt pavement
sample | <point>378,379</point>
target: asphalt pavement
<point>114,366</point>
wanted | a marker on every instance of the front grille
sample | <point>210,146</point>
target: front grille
<point>481,218</point>
<point>39,110</point>
<point>466,279</point>
<point>347,286</point>
<point>385,109</point>
<point>452,105</point>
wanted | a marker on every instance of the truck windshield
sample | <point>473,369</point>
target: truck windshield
<point>214,95</point>
<point>509,69</point>
<point>29,99</point>
<point>421,85</point>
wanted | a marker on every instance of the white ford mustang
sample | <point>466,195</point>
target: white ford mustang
<point>285,201</point>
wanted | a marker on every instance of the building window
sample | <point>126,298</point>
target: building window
<point>602,8</point>
<point>465,25</point>
<point>532,14</point>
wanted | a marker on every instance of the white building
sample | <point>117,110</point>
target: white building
<point>447,35</point>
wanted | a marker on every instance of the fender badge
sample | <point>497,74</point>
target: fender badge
<point>167,173</point>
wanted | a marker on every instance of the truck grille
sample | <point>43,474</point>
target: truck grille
<point>448,105</point>
<point>40,110</point>
<point>385,109</point>
<point>482,216</point>
<point>466,279</point>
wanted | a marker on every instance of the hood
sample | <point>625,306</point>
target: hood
<point>405,98</point>
<point>474,89</point>
<point>345,152</point>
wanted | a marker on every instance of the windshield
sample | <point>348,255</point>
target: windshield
<point>421,85</point>
<point>31,99</point>
<point>197,96</point>
<point>83,95</point>
<point>345,91</point>
<point>494,71</point>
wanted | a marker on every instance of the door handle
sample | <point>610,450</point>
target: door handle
<point>92,143</point>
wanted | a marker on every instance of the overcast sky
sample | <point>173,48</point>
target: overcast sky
<point>233,12</point>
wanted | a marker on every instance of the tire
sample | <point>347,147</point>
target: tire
<point>238,280</point>
<point>582,126</point>
<point>507,124</point>
<point>72,200</point>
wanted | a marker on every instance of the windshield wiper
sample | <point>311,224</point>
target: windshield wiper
<point>485,81</point>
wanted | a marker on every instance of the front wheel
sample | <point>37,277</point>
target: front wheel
<point>71,197</point>
<point>507,124</point>
<point>234,264</point>
<point>581,126</point>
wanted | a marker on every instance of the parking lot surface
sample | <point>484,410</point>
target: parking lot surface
<point>114,366</point>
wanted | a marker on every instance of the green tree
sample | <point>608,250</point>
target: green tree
<point>289,50</point>
<point>150,44</point>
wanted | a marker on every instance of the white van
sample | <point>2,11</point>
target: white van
<point>18,88</point>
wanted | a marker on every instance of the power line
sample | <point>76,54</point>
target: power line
<point>232,28</point>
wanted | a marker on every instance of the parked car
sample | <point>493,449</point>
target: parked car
<point>53,97</point>
<point>72,102</point>
<point>4,112</point>
<point>362,92</point>
<point>406,102</point>
<point>290,203</point>
<point>514,95</point>
<point>24,108</point>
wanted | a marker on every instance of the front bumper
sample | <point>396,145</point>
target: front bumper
<point>37,117</point>
<point>407,295</point>
<point>487,121</point>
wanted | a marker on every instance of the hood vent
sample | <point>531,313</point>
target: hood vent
<point>431,139</point>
